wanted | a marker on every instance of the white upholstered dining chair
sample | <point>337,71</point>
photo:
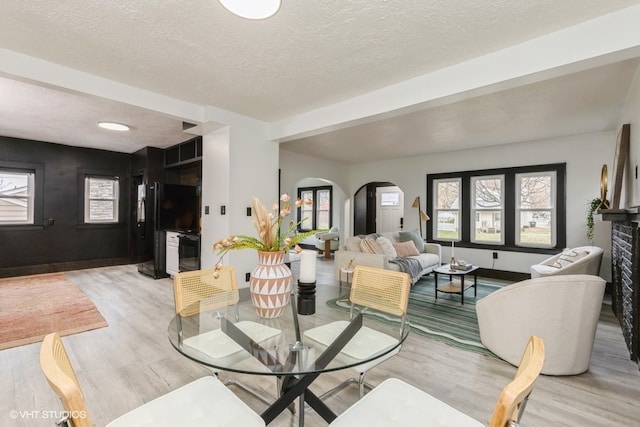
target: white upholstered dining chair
<point>398,404</point>
<point>215,291</point>
<point>384,291</point>
<point>203,402</point>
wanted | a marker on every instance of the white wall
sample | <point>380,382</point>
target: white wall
<point>583,154</point>
<point>238,162</point>
<point>215,193</point>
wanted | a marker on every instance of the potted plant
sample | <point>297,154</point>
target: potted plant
<point>270,283</point>
<point>592,208</point>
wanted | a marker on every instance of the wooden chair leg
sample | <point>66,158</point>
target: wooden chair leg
<point>327,249</point>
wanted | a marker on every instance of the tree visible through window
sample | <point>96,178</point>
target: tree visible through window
<point>101,199</point>
<point>512,207</point>
<point>536,213</point>
<point>447,212</point>
<point>487,205</point>
<point>317,215</point>
<point>16,197</point>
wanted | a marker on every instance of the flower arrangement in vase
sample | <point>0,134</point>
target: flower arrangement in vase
<point>271,282</point>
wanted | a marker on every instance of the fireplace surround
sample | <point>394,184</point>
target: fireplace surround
<point>625,276</point>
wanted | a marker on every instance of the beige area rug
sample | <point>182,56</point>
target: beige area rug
<point>34,306</point>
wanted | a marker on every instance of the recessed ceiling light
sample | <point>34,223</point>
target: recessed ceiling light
<point>252,9</point>
<point>114,126</point>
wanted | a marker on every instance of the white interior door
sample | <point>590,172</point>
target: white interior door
<point>389,209</point>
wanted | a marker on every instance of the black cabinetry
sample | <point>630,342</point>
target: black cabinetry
<point>184,153</point>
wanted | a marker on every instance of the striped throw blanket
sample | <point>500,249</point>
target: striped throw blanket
<point>411,266</point>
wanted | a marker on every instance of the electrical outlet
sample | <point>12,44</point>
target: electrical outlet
<point>247,277</point>
<point>495,255</point>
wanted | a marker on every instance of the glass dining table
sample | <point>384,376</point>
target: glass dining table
<point>236,339</point>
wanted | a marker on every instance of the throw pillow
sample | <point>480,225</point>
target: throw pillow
<point>387,247</point>
<point>368,245</point>
<point>413,236</point>
<point>353,244</point>
<point>568,257</point>
<point>405,249</point>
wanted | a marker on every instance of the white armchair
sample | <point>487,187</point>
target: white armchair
<point>328,241</point>
<point>562,310</point>
<point>580,260</point>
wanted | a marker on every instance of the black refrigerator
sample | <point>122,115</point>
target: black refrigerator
<point>163,207</point>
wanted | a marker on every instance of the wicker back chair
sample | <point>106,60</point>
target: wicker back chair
<point>513,399</point>
<point>205,290</point>
<point>377,289</point>
<point>57,369</point>
<point>204,401</point>
<point>395,402</point>
<point>216,289</point>
<point>382,290</point>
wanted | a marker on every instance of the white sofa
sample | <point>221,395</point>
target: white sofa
<point>562,310</point>
<point>351,254</point>
<point>580,260</point>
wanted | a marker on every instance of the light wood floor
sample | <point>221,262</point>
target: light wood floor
<point>131,362</point>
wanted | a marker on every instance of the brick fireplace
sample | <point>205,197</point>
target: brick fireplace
<point>625,278</point>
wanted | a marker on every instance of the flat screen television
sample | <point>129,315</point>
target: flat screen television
<point>179,208</point>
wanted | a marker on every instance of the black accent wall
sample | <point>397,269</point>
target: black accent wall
<point>59,240</point>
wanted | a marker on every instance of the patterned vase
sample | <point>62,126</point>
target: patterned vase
<point>270,285</point>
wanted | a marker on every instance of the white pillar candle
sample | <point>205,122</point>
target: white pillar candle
<point>308,266</point>
<point>452,247</point>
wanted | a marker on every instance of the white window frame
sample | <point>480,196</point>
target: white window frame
<point>457,211</point>
<point>553,211</point>
<point>478,210</point>
<point>29,198</point>
<point>88,199</point>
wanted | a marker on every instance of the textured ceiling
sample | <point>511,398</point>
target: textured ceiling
<point>311,54</point>
<point>589,101</point>
<point>44,114</point>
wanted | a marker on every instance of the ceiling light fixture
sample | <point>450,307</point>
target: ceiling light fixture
<point>252,9</point>
<point>114,126</point>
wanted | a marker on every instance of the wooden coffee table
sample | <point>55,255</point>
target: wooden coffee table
<point>452,287</point>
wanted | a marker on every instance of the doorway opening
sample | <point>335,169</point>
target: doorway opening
<point>378,207</point>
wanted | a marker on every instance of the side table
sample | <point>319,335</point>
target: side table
<point>452,287</point>
<point>348,273</point>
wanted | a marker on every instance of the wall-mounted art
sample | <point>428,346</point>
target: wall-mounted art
<point>620,160</point>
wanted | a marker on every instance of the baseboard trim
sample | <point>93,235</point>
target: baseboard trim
<point>62,266</point>
<point>511,276</point>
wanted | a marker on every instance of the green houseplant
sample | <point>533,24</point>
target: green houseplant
<point>592,208</point>
<point>271,235</point>
<point>271,281</point>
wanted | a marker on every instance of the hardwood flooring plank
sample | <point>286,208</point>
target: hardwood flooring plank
<point>131,362</point>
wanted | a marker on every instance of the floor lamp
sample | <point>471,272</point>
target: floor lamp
<point>422,215</point>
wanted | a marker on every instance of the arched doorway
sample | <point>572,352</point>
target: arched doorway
<point>378,207</point>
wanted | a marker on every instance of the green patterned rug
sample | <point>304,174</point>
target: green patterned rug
<point>443,319</point>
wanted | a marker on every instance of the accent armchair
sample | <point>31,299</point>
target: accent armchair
<point>328,241</point>
<point>580,260</point>
<point>562,310</point>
